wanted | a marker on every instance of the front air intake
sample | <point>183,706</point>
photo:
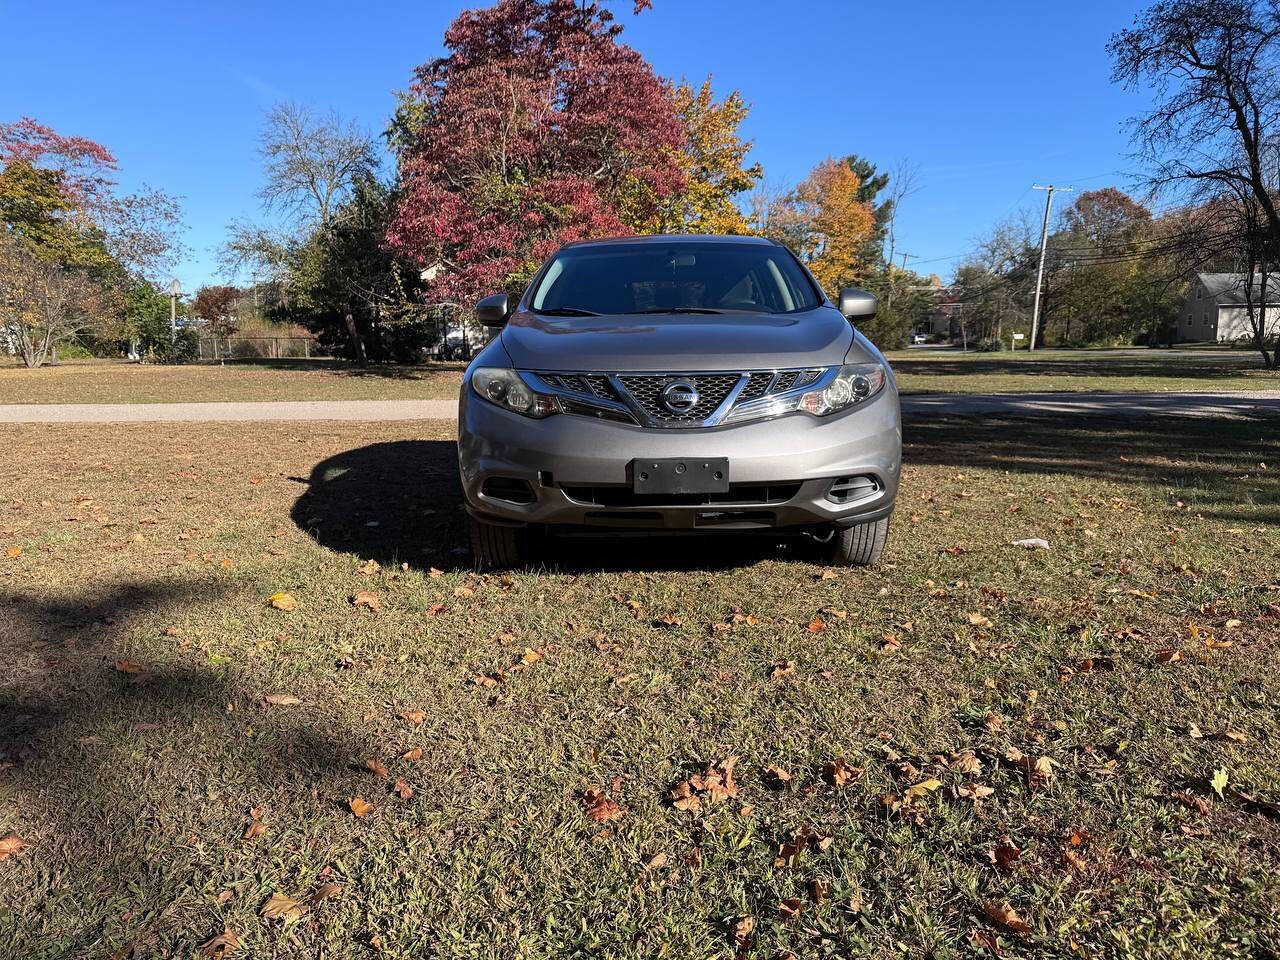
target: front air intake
<point>509,489</point>
<point>846,490</point>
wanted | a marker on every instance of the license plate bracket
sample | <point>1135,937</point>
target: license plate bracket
<point>680,475</point>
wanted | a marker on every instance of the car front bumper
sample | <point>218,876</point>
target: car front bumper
<point>562,455</point>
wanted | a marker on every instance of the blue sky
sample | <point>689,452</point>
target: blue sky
<point>984,97</point>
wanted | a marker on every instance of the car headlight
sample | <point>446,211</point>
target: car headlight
<point>506,389</point>
<point>852,384</point>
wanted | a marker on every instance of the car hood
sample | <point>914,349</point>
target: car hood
<point>678,342</point>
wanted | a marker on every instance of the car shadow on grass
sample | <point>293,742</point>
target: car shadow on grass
<point>401,502</point>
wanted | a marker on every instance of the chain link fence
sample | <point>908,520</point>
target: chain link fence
<point>259,348</point>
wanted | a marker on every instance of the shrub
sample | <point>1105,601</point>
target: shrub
<point>989,345</point>
<point>888,329</point>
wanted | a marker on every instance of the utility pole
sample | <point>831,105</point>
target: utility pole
<point>1044,245</point>
<point>175,289</point>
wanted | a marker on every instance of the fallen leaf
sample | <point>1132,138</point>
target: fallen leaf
<point>222,945</point>
<point>281,700</point>
<point>414,716</point>
<point>413,755</point>
<point>782,668</point>
<point>985,940</point>
<point>360,806</point>
<point>1002,913</point>
<point>463,592</point>
<point>128,666</point>
<point>282,907</point>
<point>600,806</point>
<point>1193,802</point>
<point>1005,855</point>
<point>923,787</point>
<point>376,766</point>
<point>363,598</point>
<point>979,620</point>
<point>10,845</point>
<point>369,568</point>
<point>839,772</point>
<point>777,777</point>
<point>684,797</point>
<point>817,625</point>
<point>13,553</point>
<point>402,790</point>
<point>326,891</point>
<point>1169,656</point>
<point>742,928</point>
<point>256,828</point>
<point>655,862</point>
<point>1219,781</point>
<point>282,601</point>
<point>975,791</point>
<point>790,908</point>
<point>530,657</point>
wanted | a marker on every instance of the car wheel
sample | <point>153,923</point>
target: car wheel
<point>498,546</point>
<point>860,545</point>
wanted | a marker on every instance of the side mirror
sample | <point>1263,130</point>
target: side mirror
<point>857,304</point>
<point>493,311</point>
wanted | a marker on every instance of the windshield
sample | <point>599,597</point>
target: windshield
<point>684,277</point>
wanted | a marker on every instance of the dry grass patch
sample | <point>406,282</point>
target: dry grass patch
<point>106,381</point>
<point>636,754</point>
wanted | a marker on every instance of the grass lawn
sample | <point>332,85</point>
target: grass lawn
<point>1140,369</point>
<point>111,381</point>
<point>975,747</point>
<point>918,371</point>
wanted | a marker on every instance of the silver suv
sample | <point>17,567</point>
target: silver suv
<point>683,385</point>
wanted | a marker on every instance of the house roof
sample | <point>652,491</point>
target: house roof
<point>1228,288</point>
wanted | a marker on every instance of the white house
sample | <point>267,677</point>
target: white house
<point>1215,308</point>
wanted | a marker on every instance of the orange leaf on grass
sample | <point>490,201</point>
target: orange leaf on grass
<point>364,598</point>
<point>600,807</point>
<point>360,806</point>
<point>223,945</point>
<point>10,845</point>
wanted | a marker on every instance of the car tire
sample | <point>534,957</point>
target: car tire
<point>498,546</point>
<point>860,545</point>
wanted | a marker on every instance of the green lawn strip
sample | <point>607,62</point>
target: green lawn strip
<point>120,382</point>
<point>962,661</point>
<point>918,371</point>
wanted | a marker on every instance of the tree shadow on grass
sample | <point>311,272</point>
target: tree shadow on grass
<point>401,502</point>
<point>374,371</point>
<point>1220,460</point>
<point>113,772</point>
<point>1154,365</point>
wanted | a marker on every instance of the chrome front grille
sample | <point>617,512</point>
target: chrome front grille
<point>713,390</point>
<point>637,398</point>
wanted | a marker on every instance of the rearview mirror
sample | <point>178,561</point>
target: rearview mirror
<point>857,304</point>
<point>493,311</point>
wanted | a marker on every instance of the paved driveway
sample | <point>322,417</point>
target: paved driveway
<point>1128,405</point>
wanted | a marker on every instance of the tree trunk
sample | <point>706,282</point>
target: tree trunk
<point>355,339</point>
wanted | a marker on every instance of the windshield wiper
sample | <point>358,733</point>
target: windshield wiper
<point>679,310</point>
<point>567,312</point>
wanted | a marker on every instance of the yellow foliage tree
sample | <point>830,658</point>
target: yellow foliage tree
<point>712,162</point>
<point>837,226</point>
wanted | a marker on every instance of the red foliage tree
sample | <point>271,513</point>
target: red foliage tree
<point>82,164</point>
<point>537,129</point>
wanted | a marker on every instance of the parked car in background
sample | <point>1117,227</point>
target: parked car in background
<point>681,385</point>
